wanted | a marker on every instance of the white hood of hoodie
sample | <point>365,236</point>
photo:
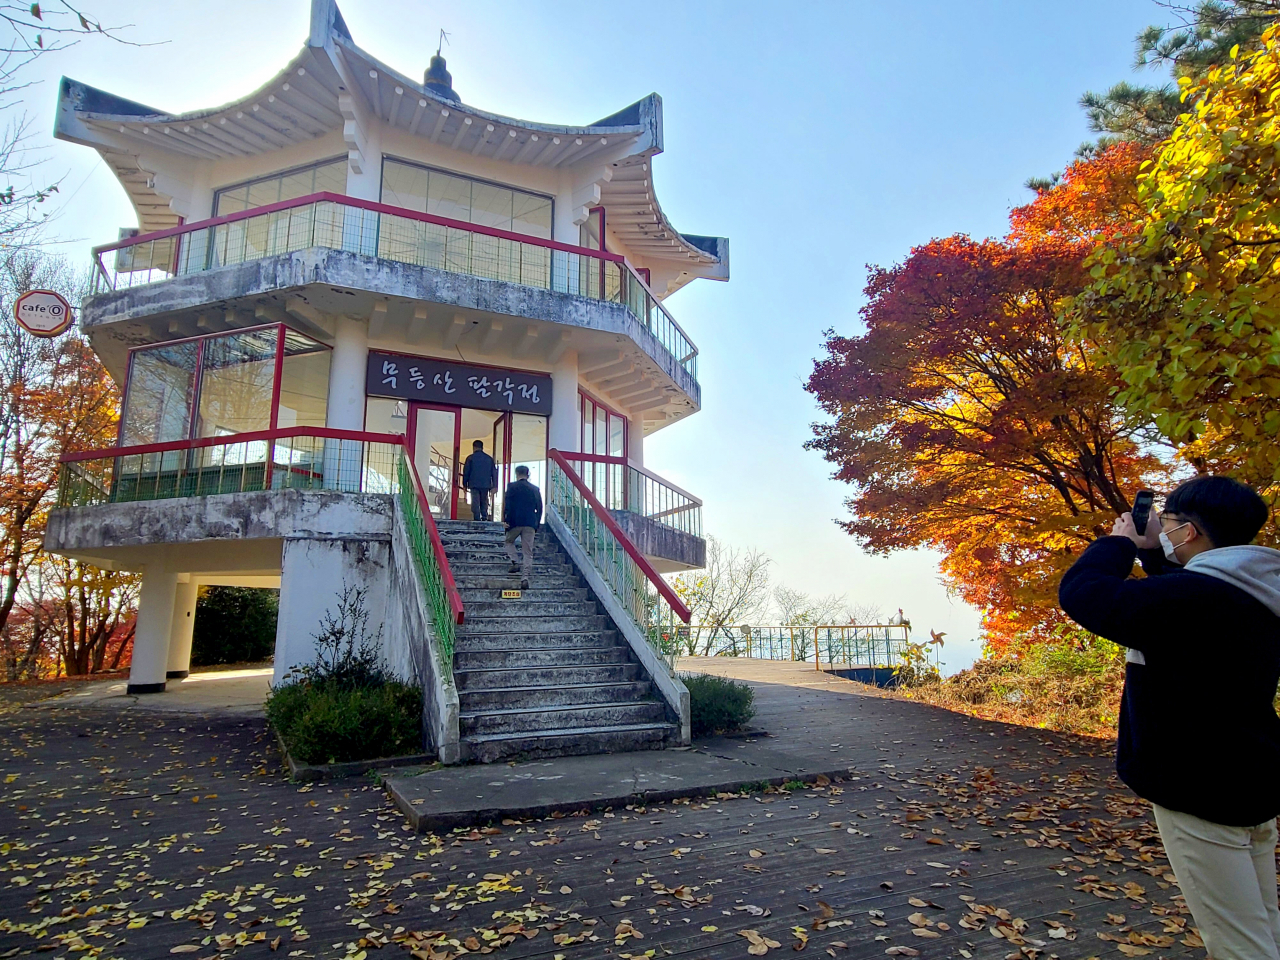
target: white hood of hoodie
<point>1254,569</point>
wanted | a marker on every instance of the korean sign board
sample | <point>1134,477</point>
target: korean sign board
<point>427,380</point>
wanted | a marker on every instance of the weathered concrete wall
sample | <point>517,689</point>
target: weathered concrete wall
<point>413,651</point>
<point>313,577</point>
<point>386,278</point>
<point>669,550</point>
<point>123,533</point>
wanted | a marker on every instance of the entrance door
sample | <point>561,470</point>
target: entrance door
<point>435,455</point>
<point>502,459</point>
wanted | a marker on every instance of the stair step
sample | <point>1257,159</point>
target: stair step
<point>465,659</point>
<point>472,594</point>
<point>500,568</point>
<point>494,678</point>
<point>473,701</point>
<point>531,608</point>
<point>487,748</point>
<point>584,717</point>
<point>476,642</point>
<point>573,624</point>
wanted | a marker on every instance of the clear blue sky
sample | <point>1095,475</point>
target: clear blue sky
<point>818,137</point>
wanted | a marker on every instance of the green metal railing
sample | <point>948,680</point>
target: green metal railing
<point>429,560</point>
<point>651,603</point>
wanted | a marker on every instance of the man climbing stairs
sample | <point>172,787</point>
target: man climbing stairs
<point>546,674</point>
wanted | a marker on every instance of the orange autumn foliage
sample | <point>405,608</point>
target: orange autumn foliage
<point>966,422</point>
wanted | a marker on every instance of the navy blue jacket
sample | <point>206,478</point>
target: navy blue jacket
<point>479,472</point>
<point>522,505</point>
<point>1198,732</point>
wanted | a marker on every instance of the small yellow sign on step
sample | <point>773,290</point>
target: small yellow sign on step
<point>510,594</point>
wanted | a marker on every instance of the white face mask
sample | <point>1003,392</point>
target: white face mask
<point>1170,550</point>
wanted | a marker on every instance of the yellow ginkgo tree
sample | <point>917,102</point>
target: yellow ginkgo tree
<point>1188,306</point>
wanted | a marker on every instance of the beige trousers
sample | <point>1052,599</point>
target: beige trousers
<point>526,548</point>
<point>1228,877</point>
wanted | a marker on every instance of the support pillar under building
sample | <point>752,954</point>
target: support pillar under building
<point>184,620</point>
<point>154,628</point>
<point>563,429</point>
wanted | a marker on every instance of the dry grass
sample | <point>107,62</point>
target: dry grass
<point>1054,687</point>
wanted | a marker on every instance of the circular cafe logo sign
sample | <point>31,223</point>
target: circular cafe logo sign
<point>42,313</point>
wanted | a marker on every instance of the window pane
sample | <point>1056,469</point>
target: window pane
<point>491,206</point>
<point>231,201</point>
<point>448,196</point>
<point>617,436</point>
<point>264,192</point>
<point>404,186</point>
<point>331,178</point>
<point>304,383</point>
<point>386,416</point>
<point>297,184</point>
<point>157,408</point>
<point>235,383</point>
<point>602,435</point>
<point>531,215</point>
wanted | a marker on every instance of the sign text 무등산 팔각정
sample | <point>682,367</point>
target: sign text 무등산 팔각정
<point>431,380</point>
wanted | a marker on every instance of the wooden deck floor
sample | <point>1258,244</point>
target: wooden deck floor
<point>137,834</point>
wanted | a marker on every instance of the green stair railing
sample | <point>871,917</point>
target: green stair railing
<point>654,607</point>
<point>430,561</point>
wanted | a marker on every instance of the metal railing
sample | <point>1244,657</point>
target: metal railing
<point>833,646</point>
<point>305,458</point>
<point>620,485</point>
<point>649,600</point>
<point>391,233</point>
<point>430,561</point>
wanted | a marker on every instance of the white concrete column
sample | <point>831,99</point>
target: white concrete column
<point>155,625</point>
<point>347,370</point>
<point>313,574</point>
<point>564,432</point>
<point>184,621</point>
<point>635,440</point>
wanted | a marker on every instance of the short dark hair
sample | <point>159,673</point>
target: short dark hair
<point>478,445</point>
<point>522,471</point>
<point>1226,511</point>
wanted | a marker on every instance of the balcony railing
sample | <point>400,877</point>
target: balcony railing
<point>620,485</point>
<point>391,233</point>
<point>299,458</point>
<point>835,646</point>
<point>649,600</point>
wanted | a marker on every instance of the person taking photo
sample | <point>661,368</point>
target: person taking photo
<point>1199,737</point>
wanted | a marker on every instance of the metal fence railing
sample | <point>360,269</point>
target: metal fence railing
<point>651,603</point>
<point>833,646</point>
<point>620,485</point>
<point>390,233</point>
<point>306,458</point>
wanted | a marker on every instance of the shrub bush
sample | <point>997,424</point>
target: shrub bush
<point>344,706</point>
<point>234,625</point>
<point>325,723</point>
<point>718,704</point>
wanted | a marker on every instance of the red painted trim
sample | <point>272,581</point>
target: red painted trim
<point>450,588</point>
<point>276,376</point>
<point>369,205</point>
<point>594,457</point>
<point>326,433</point>
<point>664,589</point>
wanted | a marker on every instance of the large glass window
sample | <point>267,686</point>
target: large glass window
<point>329,176</point>
<point>236,380</point>
<point>304,383</point>
<point>427,190</point>
<point>162,383</point>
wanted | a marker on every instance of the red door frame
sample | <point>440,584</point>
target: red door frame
<point>412,427</point>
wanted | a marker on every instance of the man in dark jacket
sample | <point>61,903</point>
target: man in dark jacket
<point>521,512</point>
<point>479,476</point>
<point>1199,737</point>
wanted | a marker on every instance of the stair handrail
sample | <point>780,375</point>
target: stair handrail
<point>664,589</point>
<point>436,577</point>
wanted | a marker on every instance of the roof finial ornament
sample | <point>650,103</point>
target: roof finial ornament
<point>438,79</point>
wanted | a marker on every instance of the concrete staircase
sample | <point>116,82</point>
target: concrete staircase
<point>545,675</point>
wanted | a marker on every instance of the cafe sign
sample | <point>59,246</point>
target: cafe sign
<point>428,380</point>
<point>42,313</point>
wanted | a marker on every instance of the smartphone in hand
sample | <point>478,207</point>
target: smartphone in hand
<point>1142,509</point>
